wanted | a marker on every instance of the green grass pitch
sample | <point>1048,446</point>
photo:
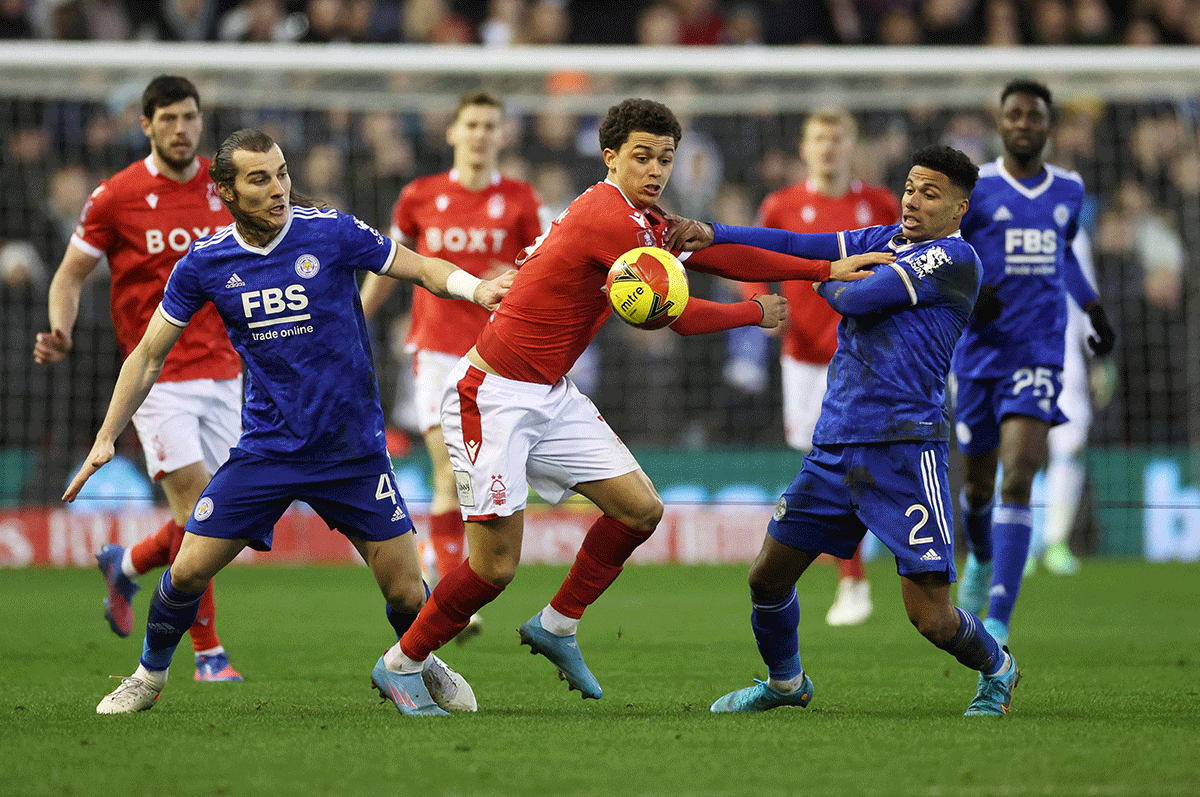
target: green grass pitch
<point>1109,703</point>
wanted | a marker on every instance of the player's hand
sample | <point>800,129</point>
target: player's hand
<point>50,347</point>
<point>988,305</point>
<point>102,451</point>
<point>1105,338</point>
<point>855,267</point>
<point>774,308</point>
<point>687,235</point>
<point>489,292</point>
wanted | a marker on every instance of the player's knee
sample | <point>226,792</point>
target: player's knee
<point>406,596</point>
<point>645,515</point>
<point>937,628</point>
<point>1017,484</point>
<point>187,579</point>
<point>978,493</point>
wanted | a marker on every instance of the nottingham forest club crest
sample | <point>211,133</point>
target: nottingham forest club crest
<point>307,266</point>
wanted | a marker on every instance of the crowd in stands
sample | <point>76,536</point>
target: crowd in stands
<point>1140,163</point>
<point>502,23</point>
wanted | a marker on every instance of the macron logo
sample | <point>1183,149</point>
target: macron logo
<point>235,282</point>
<point>152,200</point>
<point>931,556</point>
<point>1002,214</point>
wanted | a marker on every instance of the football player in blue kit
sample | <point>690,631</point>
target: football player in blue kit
<point>283,278</point>
<point>1007,367</point>
<point>879,457</point>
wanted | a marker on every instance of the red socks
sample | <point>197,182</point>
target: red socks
<point>458,595</point>
<point>607,546</point>
<point>446,533</point>
<point>853,567</point>
<point>157,550</point>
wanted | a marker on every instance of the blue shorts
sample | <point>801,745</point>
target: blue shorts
<point>248,494</point>
<point>981,404</point>
<point>900,491</point>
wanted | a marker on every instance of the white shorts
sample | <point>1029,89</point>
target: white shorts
<point>1068,439</point>
<point>803,390</point>
<point>430,370</point>
<point>180,423</point>
<point>520,435</point>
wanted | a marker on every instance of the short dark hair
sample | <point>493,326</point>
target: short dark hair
<point>167,90</point>
<point>641,116</point>
<point>478,98</point>
<point>223,170</point>
<point>1027,86</point>
<point>950,162</point>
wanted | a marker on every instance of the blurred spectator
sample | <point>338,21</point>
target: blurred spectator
<point>371,22</point>
<point>1141,32</point>
<point>546,22</point>
<point>1171,18</point>
<point>259,21</point>
<point>1051,23</point>
<point>967,132</point>
<point>1092,23</point>
<point>14,20</point>
<point>1002,24</point>
<point>504,22</point>
<point>381,167</point>
<point>70,187</point>
<point>899,27</point>
<point>700,22</point>
<point>744,25</point>
<point>327,21</point>
<point>323,175</point>
<point>950,22</point>
<point>175,20</point>
<point>797,22</point>
<point>433,22</point>
<point>659,25</point>
<point>1141,253</point>
<point>555,186</point>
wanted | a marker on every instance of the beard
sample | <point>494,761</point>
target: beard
<point>178,164</point>
<point>252,224</point>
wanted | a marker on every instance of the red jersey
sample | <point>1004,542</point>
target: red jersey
<point>474,230</point>
<point>811,333</point>
<point>557,303</point>
<point>144,222</point>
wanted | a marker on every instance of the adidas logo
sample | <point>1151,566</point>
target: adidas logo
<point>398,514</point>
<point>235,282</point>
<point>931,556</point>
<point>1002,214</point>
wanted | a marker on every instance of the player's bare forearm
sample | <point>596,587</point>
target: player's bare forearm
<point>751,264</point>
<point>63,305</point>
<point>856,267</point>
<point>687,235</point>
<point>374,292</point>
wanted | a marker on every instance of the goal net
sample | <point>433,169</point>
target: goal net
<point>358,122</point>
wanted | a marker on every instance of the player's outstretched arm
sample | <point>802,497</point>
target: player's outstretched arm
<point>65,288</point>
<point>137,376</point>
<point>443,278</point>
<point>687,235</point>
<point>702,316</point>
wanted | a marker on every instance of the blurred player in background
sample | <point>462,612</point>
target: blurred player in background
<point>513,419</point>
<point>829,200</point>
<point>1008,365</point>
<point>881,446</point>
<point>480,221</point>
<point>143,219</point>
<point>284,279</point>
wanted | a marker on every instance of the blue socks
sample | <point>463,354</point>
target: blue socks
<point>974,647</point>
<point>171,614</point>
<point>977,524</point>
<point>778,640</point>
<point>1013,528</point>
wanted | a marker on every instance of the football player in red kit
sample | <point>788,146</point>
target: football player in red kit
<point>513,420</point>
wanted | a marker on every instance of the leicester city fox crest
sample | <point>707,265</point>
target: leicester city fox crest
<point>307,266</point>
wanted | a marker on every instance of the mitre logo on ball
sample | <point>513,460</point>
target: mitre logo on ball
<point>647,287</point>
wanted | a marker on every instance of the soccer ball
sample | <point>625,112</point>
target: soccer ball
<point>647,287</point>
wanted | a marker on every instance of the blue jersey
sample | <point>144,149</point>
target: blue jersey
<point>293,313</point>
<point>887,380</point>
<point>1023,236</point>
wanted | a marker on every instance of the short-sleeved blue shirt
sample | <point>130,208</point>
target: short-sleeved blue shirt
<point>293,313</point>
